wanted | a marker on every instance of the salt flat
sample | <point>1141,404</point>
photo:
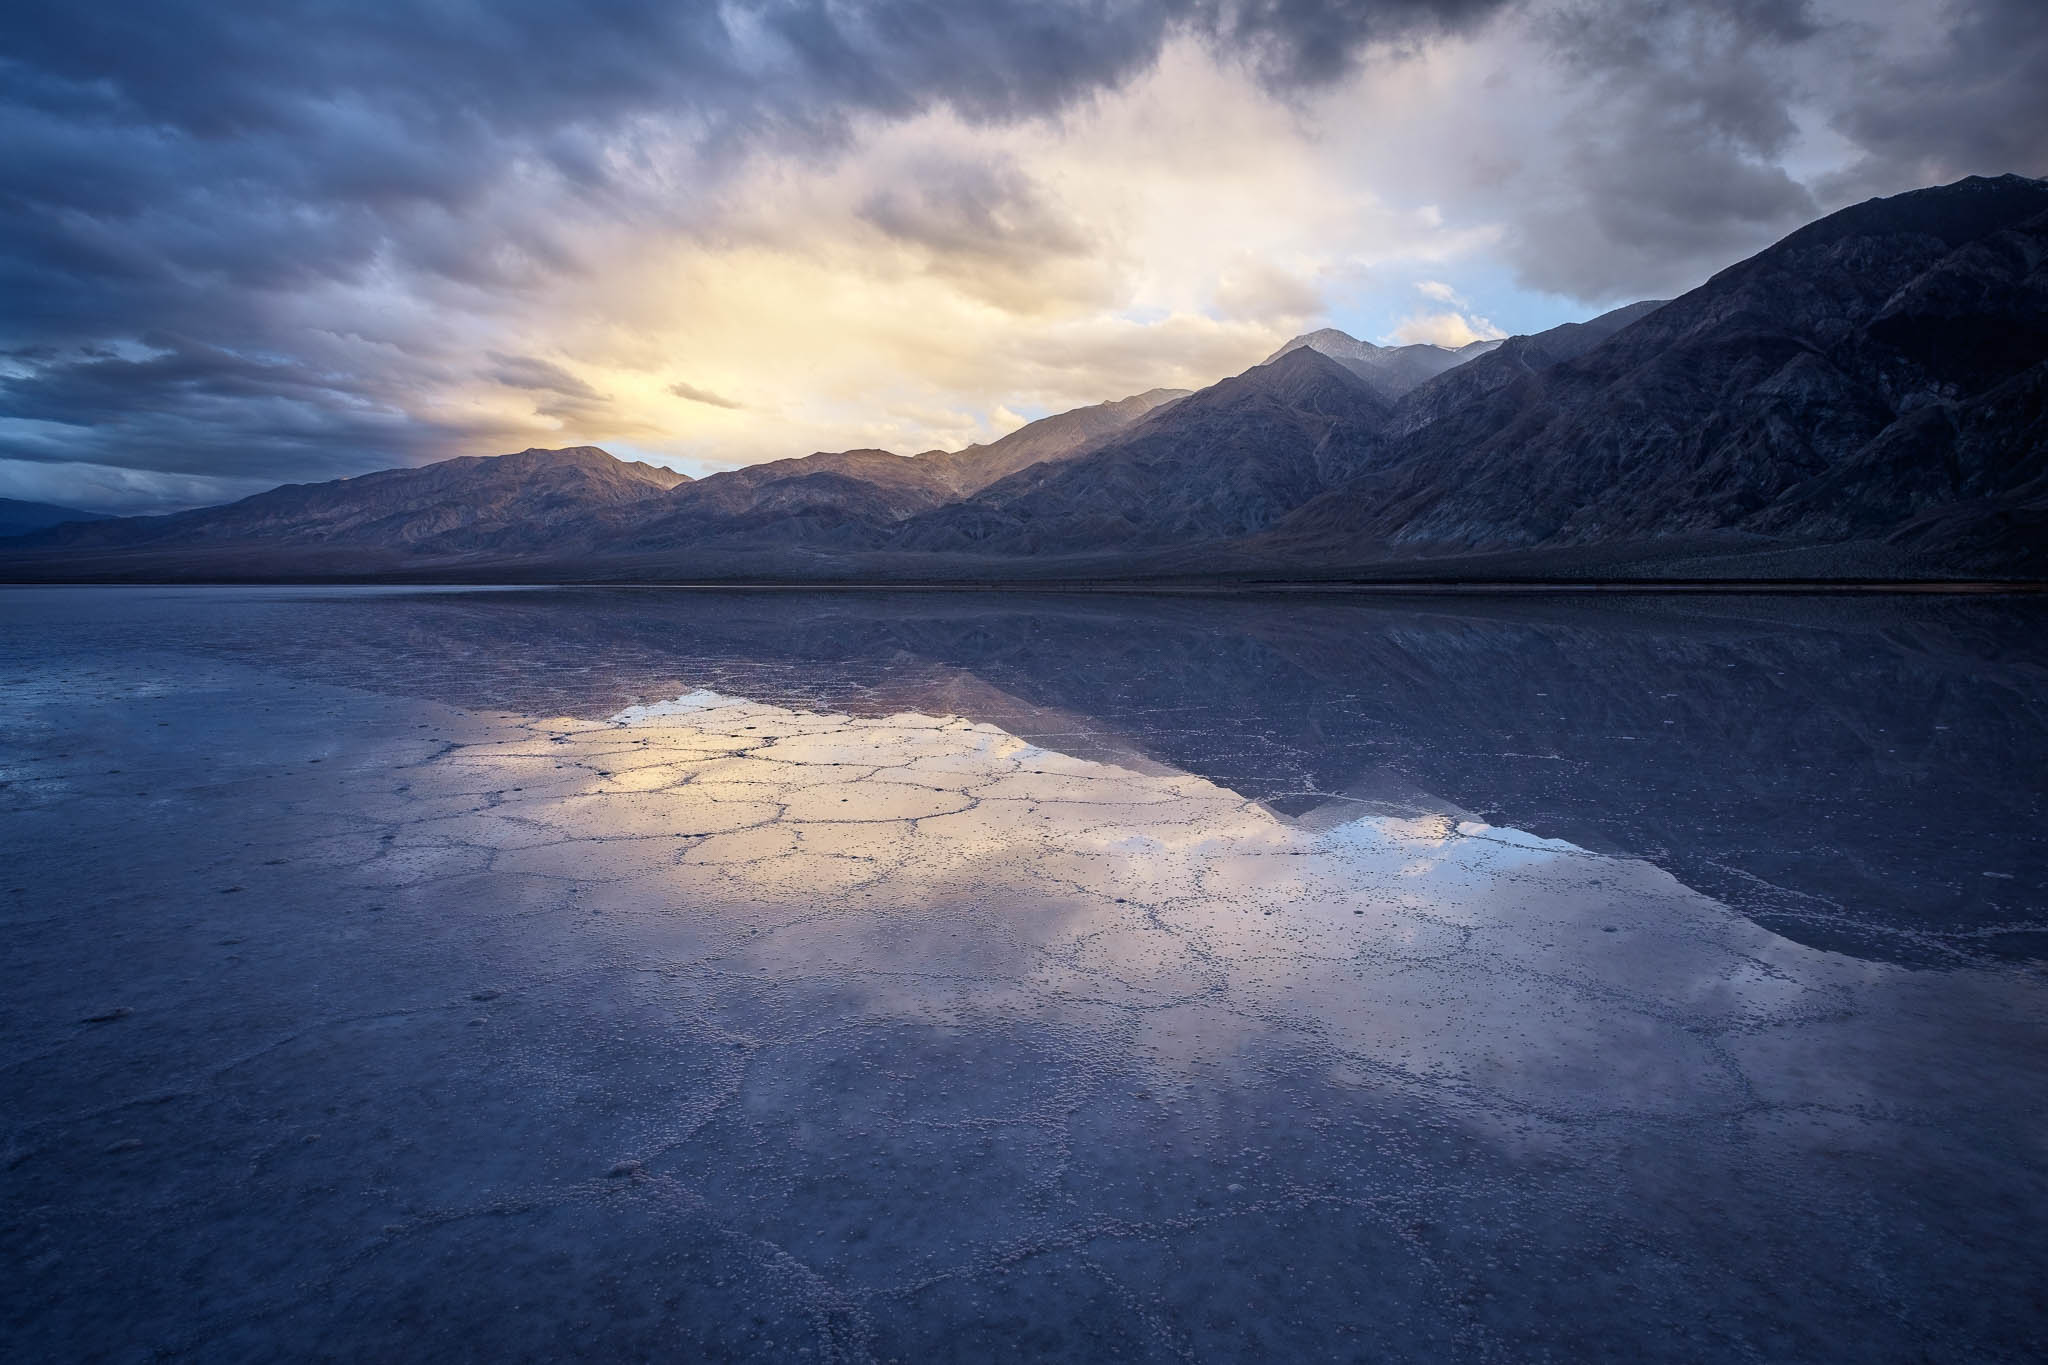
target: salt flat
<point>587,974</point>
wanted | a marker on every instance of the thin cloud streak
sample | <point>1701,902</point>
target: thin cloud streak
<point>705,396</point>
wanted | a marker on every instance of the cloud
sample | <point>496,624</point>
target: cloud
<point>697,395</point>
<point>561,394</point>
<point>110,488</point>
<point>172,404</point>
<point>1449,329</point>
<point>977,207</point>
<point>1003,421</point>
<point>1649,140</point>
<point>1261,291</point>
<point>1630,149</point>
<point>1317,42</point>
<point>1438,290</point>
<point>1968,94</point>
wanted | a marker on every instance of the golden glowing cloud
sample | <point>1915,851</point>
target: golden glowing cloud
<point>936,282</point>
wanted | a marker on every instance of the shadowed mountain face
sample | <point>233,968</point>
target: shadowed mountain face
<point>19,518</point>
<point>1506,362</point>
<point>846,499</point>
<point>1866,399</point>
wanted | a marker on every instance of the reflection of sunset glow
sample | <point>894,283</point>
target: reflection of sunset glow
<point>809,845</point>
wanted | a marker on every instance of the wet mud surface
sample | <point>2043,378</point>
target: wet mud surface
<point>581,975</point>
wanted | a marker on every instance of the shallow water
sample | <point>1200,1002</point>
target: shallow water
<point>501,975</point>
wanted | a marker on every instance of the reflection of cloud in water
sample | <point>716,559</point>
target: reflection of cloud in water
<point>935,867</point>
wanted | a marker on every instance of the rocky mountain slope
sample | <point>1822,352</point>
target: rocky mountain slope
<point>1509,361</point>
<point>1232,460</point>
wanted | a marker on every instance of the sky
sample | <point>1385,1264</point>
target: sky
<point>247,242</point>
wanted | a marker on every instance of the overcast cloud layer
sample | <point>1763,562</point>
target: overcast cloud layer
<point>246,243</point>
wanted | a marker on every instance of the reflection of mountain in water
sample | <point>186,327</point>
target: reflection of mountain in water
<point>1860,774</point>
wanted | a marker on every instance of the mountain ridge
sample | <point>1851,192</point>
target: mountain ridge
<point>450,504</point>
<point>855,499</point>
<point>1867,397</point>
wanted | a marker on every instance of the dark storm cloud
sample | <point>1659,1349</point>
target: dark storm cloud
<point>1978,103</point>
<point>79,390</point>
<point>264,142</point>
<point>176,405</point>
<point>1671,164</point>
<point>187,168</point>
<point>1313,42</point>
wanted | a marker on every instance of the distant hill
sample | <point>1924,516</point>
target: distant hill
<point>464,504</point>
<point>19,518</point>
<point>1867,398</point>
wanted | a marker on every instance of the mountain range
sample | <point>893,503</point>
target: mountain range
<point>1865,399</point>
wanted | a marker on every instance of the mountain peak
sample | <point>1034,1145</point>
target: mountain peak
<point>1301,360</point>
<point>1302,376</point>
<point>595,459</point>
<point>1389,371</point>
<point>1338,345</point>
